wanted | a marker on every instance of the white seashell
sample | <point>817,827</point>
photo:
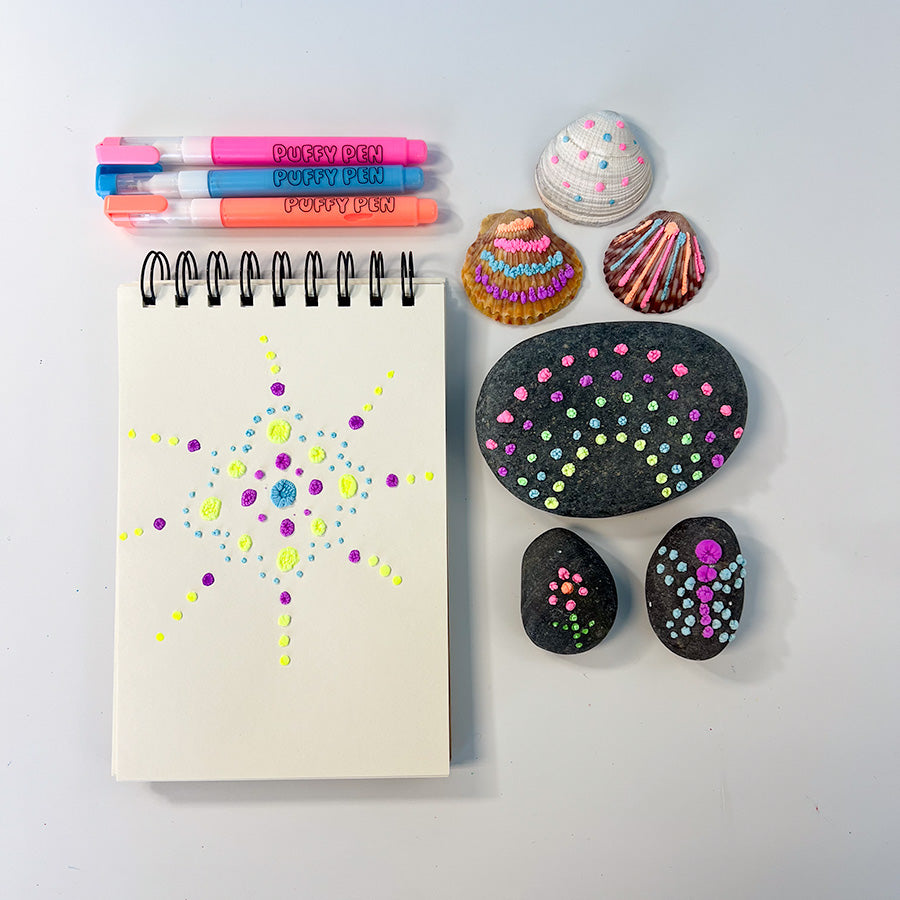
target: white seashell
<point>594,171</point>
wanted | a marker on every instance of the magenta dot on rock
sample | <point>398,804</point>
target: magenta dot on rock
<point>298,472</point>
<point>285,598</point>
<point>287,527</point>
<point>502,471</point>
<point>262,517</point>
<point>708,551</point>
<point>704,594</point>
<point>307,512</point>
<point>193,445</point>
<point>392,480</point>
<point>277,389</point>
<point>356,422</point>
<point>208,579</point>
<point>648,378</point>
<point>315,487</point>
<point>717,461</point>
<point>248,498</point>
<point>616,376</point>
<point>259,474</point>
<point>354,556</point>
<point>282,461</point>
<point>673,395</point>
<point>706,573</point>
<point>159,524</point>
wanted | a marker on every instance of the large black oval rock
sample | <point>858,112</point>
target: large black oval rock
<point>569,599</point>
<point>695,587</point>
<point>610,418</point>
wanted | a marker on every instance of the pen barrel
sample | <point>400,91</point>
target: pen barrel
<point>313,180</point>
<point>317,151</point>
<point>324,212</point>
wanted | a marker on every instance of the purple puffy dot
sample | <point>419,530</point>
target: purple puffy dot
<point>354,556</point>
<point>503,471</point>
<point>159,524</point>
<point>710,437</point>
<point>706,573</point>
<point>510,449</point>
<point>285,598</point>
<point>282,461</point>
<point>585,381</point>
<point>262,517</point>
<point>298,472</point>
<point>287,527</point>
<point>392,480</point>
<point>307,512</point>
<point>717,461</point>
<point>556,396</point>
<point>708,551</point>
<point>277,389</point>
<point>193,445</point>
<point>673,395</point>
<point>248,498</point>
<point>208,579</point>
<point>315,487</point>
<point>527,425</point>
<point>616,376</point>
<point>356,422</point>
<point>259,474</point>
<point>648,378</point>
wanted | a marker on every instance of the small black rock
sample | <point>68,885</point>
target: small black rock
<point>695,587</point>
<point>569,599</point>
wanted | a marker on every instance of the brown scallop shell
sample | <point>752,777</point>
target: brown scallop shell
<point>657,266</point>
<point>518,271</point>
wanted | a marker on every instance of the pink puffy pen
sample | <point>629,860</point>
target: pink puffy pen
<point>261,151</point>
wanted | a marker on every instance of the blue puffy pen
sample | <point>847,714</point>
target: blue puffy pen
<point>287,182</point>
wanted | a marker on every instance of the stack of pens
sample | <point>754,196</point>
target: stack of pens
<point>263,182</point>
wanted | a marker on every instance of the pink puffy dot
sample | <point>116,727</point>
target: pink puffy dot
<point>583,154</point>
<point>592,353</point>
<point>708,631</point>
<point>625,179</point>
<point>567,360</point>
<point>563,573</point>
<point>706,387</point>
<point>680,369</point>
<point>570,605</point>
<point>653,355</point>
<point>491,444</point>
<point>589,123</point>
<point>725,410</point>
<point>553,600</point>
<point>599,186</point>
<point>621,349</point>
<point>520,393</point>
<point>620,124</point>
<point>554,160</point>
<point>738,431</point>
<point>640,160</point>
<point>621,146</point>
<point>577,578</point>
<point>554,585</point>
<point>566,184</point>
<point>582,592</point>
<point>717,461</point>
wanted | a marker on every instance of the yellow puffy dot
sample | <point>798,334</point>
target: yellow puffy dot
<point>245,542</point>
<point>348,486</point>
<point>390,374</point>
<point>155,438</point>
<point>568,470</point>
<point>640,444</point>
<point>236,469</point>
<point>284,660</point>
<point>379,391</point>
<point>385,570</point>
<point>278,431</point>
<point>397,579</point>
<point>600,439</point>
<point>275,369</point>
<point>621,437</point>
<point>662,478</point>
<point>318,527</point>
<point>373,560</point>
<point>270,354</point>
<point>177,615</point>
<point>581,452</point>
<point>287,559</point>
<point>211,508</point>
<point>160,636</point>
<point>559,486</point>
<point>316,454</point>
<point>132,433</point>
<point>367,407</point>
<point>284,640</point>
<point>284,620</point>
<point>667,492</point>
<point>652,459</point>
<point>551,503</point>
<point>429,476</point>
<point>191,596</point>
<point>138,532</point>
<point>173,441</point>
<point>123,536</point>
<point>410,479</point>
<point>263,339</point>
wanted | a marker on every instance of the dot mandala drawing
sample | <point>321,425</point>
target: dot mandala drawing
<point>305,514</point>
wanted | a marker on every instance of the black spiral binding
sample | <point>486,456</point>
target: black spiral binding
<point>154,257</point>
<point>345,271</point>
<point>185,269</point>
<point>281,269</point>
<point>249,271</point>
<point>216,268</point>
<point>312,270</point>
<point>376,273</point>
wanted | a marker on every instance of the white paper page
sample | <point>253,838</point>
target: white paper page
<point>211,681</point>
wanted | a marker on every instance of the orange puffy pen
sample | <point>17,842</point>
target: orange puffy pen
<point>146,210</point>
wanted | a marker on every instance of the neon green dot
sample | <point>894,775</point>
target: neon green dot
<point>275,369</point>
<point>591,624</point>
<point>177,615</point>
<point>410,479</point>
<point>211,508</point>
<point>652,406</point>
<point>568,470</point>
<point>545,435</point>
<point>686,439</point>
<point>667,492</point>
<point>559,486</point>
<point>160,636</point>
<point>640,444</point>
<point>316,454</point>
<point>348,486</point>
<point>384,571</point>
<point>697,475</point>
<point>285,660</point>
<point>626,397</point>
<point>155,438</point>
<point>236,469</point>
<point>429,476</point>
<point>263,339</point>
<point>571,413</point>
<point>551,503</point>
<point>581,452</point>
<point>600,401</point>
<point>132,433</point>
<point>379,391</point>
<point>522,481</point>
<point>600,439</point>
<point>621,437</point>
<point>278,431</point>
<point>284,640</point>
<point>284,620</point>
<point>662,478</point>
<point>270,354</point>
<point>373,560</point>
<point>672,420</point>
<point>695,457</point>
<point>288,558</point>
<point>191,596</point>
<point>123,536</point>
<point>397,579</point>
<point>173,441</point>
<point>318,527</point>
<point>245,542</point>
<point>652,459</point>
<point>531,457</point>
<point>573,617</point>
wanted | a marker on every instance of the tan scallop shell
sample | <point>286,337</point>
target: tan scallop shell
<point>657,266</point>
<point>518,271</point>
<point>594,171</point>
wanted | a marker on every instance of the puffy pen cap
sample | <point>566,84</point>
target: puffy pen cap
<point>427,211</point>
<point>416,153</point>
<point>413,178</point>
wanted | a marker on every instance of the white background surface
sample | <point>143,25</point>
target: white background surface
<point>771,771</point>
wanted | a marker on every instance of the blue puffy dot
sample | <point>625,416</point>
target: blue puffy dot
<point>681,486</point>
<point>623,420</point>
<point>682,566</point>
<point>533,494</point>
<point>676,469</point>
<point>283,493</point>
<point>673,554</point>
<point>669,580</point>
<point>576,435</point>
<point>603,163</point>
<point>690,620</point>
<point>660,569</point>
<point>664,448</point>
<point>676,613</point>
<point>594,423</point>
<point>541,476</point>
<point>577,198</point>
<point>556,453</point>
<point>607,136</point>
<point>645,428</point>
